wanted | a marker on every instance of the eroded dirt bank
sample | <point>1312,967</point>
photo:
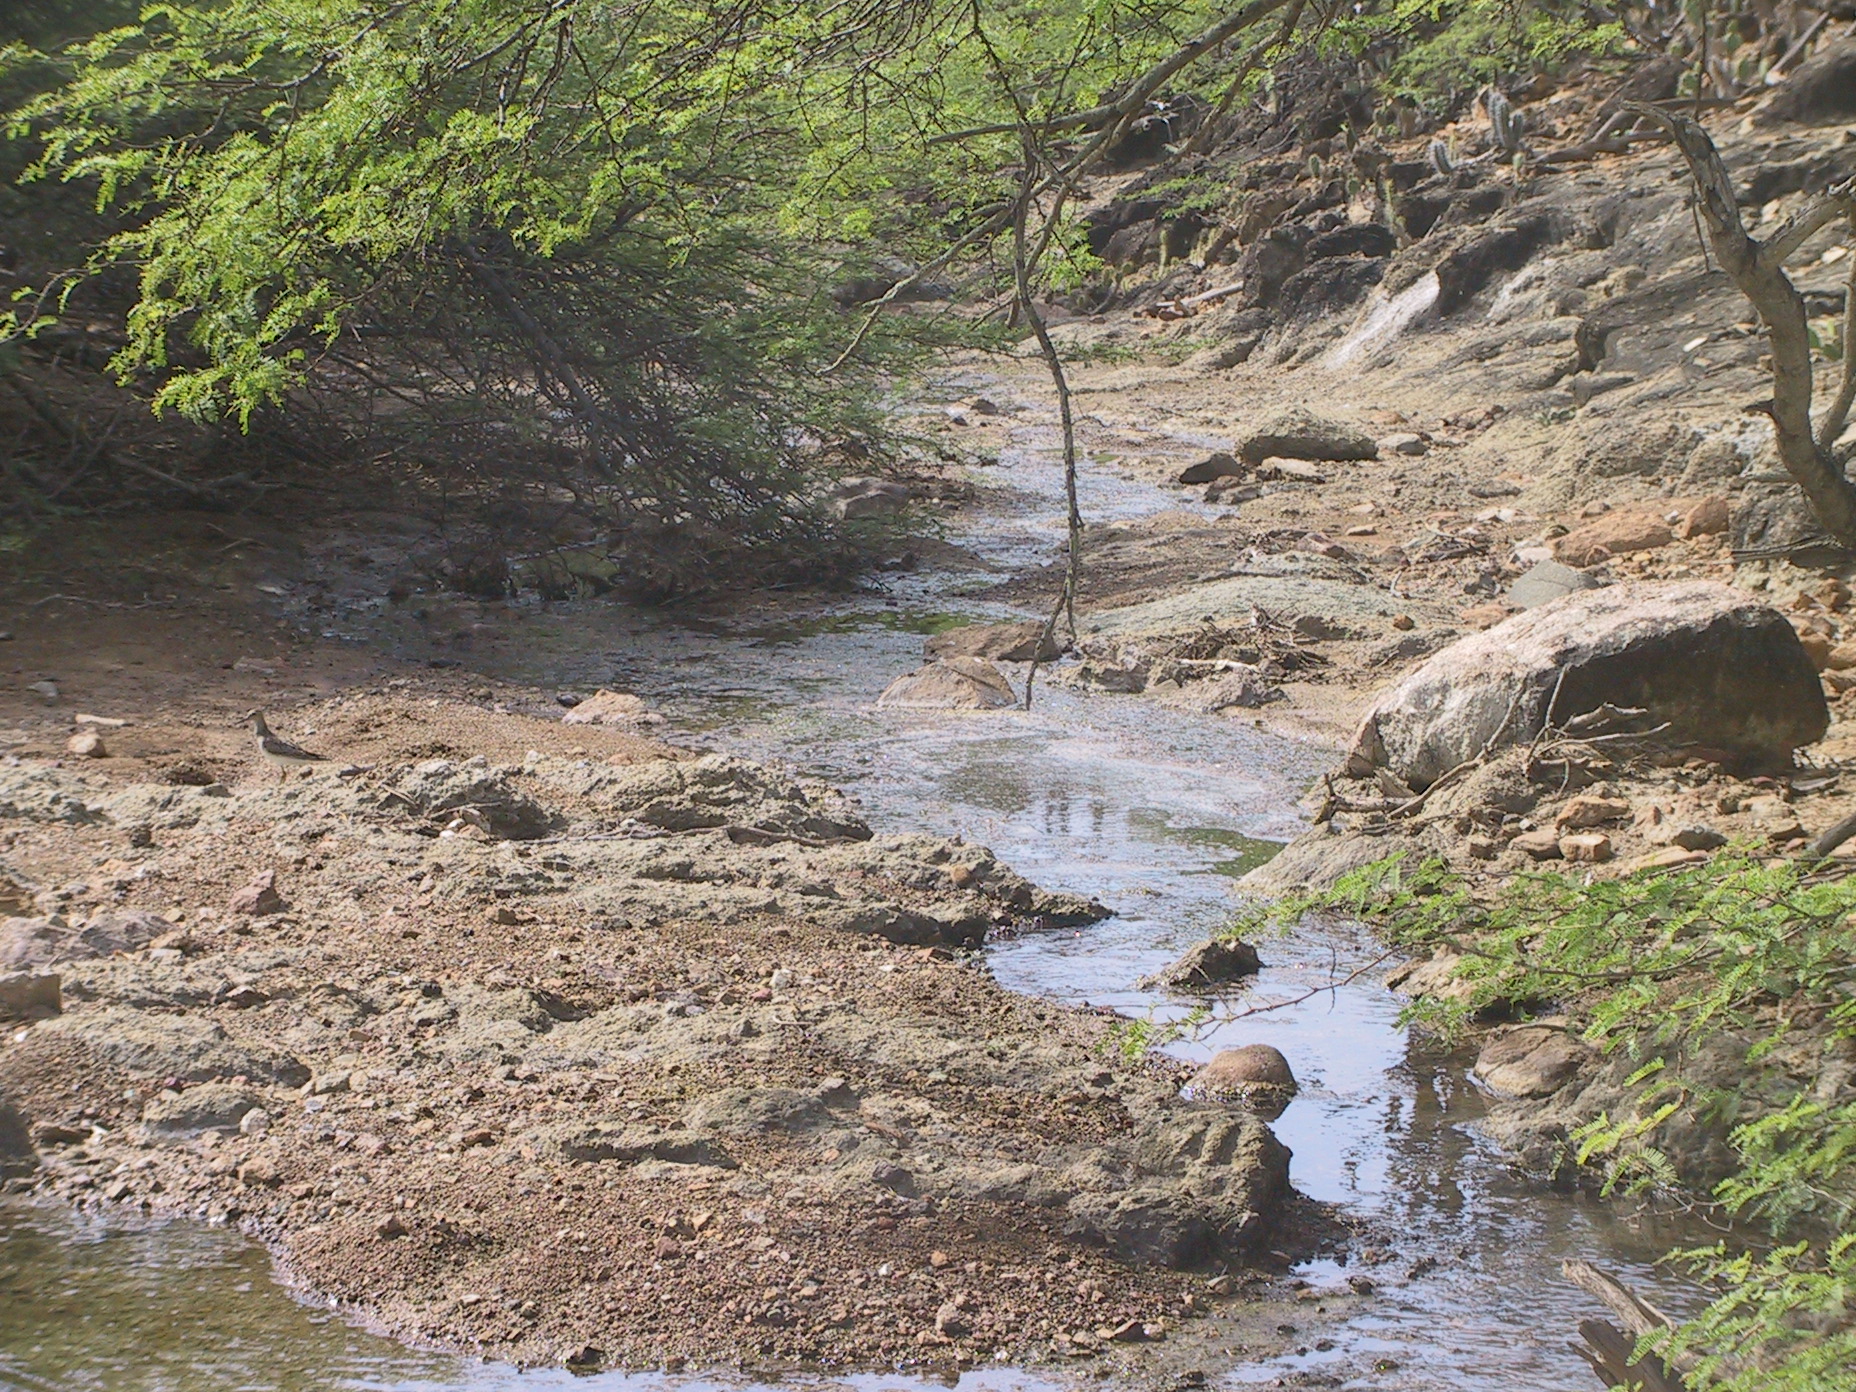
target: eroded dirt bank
<point>581,1047</point>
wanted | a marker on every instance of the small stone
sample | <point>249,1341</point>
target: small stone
<point>86,744</point>
<point>254,1122</point>
<point>1690,836</point>
<point>1483,847</point>
<point>1668,858</point>
<point>1361,1285</point>
<point>1709,517</point>
<point>611,708</point>
<point>667,1249</point>
<point>1481,616</point>
<point>1214,466</point>
<point>949,1321</point>
<point>1586,847</point>
<point>259,898</point>
<point>1405,443</point>
<point>1817,648</point>
<point>390,1227</point>
<point>1842,658</point>
<point>582,1357</point>
<point>257,1173</point>
<point>476,1137</point>
<point>1583,812</point>
<point>1404,623</point>
<point>1543,844</point>
<point>938,1259</point>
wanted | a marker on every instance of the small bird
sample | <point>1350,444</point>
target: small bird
<point>279,752</point>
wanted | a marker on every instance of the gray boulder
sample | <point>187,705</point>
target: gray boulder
<point>1300,434</point>
<point>1214,466</point>
<point>868,497</point>
<point>1719,669</point>
<point>1548,580</point>
<point>954,683</point>
<point>1531,1061</point>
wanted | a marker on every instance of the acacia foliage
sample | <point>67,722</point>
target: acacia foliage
<point>575,251</point>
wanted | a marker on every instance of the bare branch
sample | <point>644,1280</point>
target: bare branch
<point>1759,273</point>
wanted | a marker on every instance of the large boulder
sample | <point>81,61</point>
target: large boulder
<point>1718,669</point>
<point>954,683</point>
<point>1300,434</point>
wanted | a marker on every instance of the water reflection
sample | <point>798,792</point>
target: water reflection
<point>1149,809</point>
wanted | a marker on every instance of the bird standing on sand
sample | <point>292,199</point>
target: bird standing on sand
<point>279,752</point>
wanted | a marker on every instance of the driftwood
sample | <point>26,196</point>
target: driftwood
<point>1607,1347</point>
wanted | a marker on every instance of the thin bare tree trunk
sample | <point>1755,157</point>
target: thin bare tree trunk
<point>1758,268</point>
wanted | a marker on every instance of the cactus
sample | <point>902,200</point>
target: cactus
<point>1509,124</point>
<point>1353,186</point>
<point>1439,156</point>
<point>1316,169</point>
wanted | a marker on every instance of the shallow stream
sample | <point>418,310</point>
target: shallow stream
<point>1152,810</point>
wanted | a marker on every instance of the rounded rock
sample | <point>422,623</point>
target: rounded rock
<point>1255,1074</point>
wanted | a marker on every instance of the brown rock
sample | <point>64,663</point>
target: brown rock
<point>1214,962</point>
<point>86,744</point>
<point>1586,847</point>
<point>1614,534</point>
<point>1255,1074</point>
<point>1530,1061</point>
<point>390,1227</point>
<point>1484,616</point>
<point>1842,657</point>
<point>1583,812</point>
<point>1404,623</point>
<point>1539,845</point>
<point>1006,642</point>
<point>1817,648</point>
<point>258,898</point>
<point>257,1173</point>
<point>1709,517</point>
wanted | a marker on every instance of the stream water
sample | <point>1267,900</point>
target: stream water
<point>1154,811</point>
